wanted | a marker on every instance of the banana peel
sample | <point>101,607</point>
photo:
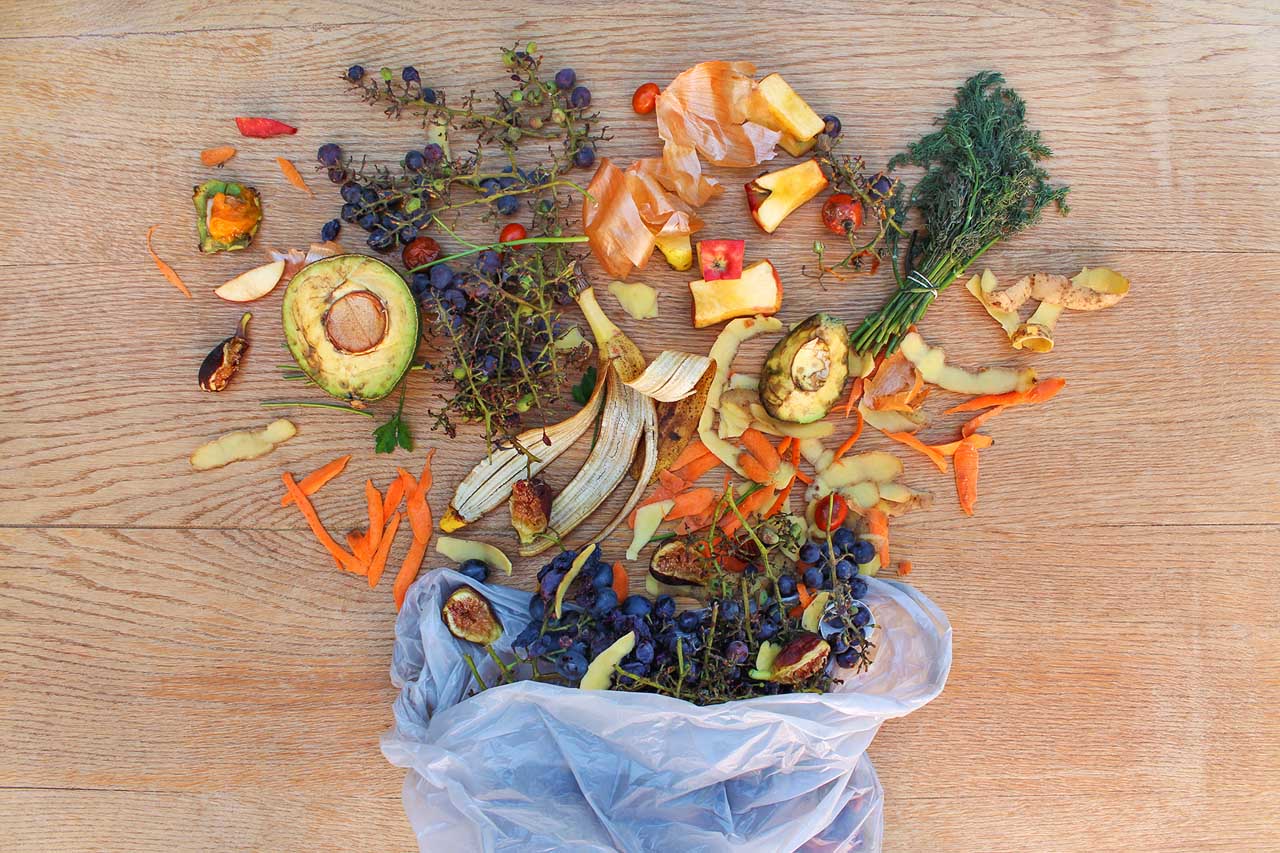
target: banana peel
<point>677,425</point>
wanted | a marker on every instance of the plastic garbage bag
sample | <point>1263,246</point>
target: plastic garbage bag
<point>538,767</point>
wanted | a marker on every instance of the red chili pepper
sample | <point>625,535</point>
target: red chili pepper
<point>263,128</point>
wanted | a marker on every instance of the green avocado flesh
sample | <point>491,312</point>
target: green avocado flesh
<point>804,374</point>
<point>352,326</point>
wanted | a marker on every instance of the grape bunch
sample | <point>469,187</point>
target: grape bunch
<point>706,655</point>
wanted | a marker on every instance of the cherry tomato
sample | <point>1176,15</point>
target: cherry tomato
<point>512,231</point>
<point>841,214</point>
<point>830,512</point>
<point>645,99</point>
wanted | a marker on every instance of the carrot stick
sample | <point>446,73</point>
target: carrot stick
<point>355,541</point>
<point>379,560</point>
<point>878,528</point>
<point>348,562</point>
<point>424,481</point>
<point>692,502</point>
<point>217,156</point>
<point>967,476</point>
<point>395,494</point>
<point>758,445</point>
<point>785,444</point>
<point>754,470</point>
<point>1040,392</point>
<point>373,538</point>
<point>914,443</point>
<point>696,450</point>
<point>620,582</point>
<point>851,440</point>
<point>167,271</point>
<point>314,481</point>
<point>695,469</point>
<point>419,516</point>
<point>904,568</point>
<point>293,176</point>
<point>971,426</point>
<point>408,571</point>
<point>855,393</point>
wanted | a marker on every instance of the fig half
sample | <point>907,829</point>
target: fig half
<point>469,616</point>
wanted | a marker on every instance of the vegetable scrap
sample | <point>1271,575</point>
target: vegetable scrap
<point>1090,290</point>
<point>167,271</point>
<point>217,156</point>
<point>263,128</point>
<point>242,445</point>
<point>293,176</point>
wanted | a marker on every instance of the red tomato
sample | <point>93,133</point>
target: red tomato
<point>645,99</point>
<point>830,512</point>
<point>841,214</point>
<point>512,231</point>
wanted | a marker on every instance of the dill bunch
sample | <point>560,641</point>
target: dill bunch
<point>982,183</point>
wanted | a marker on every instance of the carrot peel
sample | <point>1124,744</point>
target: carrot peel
<point>293,176</point>
<point>314,481</point>
<point>378,562</point>
<point>345,559</point>
<point>170,274</point>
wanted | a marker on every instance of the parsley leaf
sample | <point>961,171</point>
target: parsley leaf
<point>394,433</point>
<point>582,391</point>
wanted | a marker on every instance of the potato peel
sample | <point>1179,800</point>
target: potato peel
<point>242,445</point>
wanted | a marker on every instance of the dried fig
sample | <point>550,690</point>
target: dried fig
<point>469,616</point>
<point>530,505</point>
<point>800,659</point>
<point>678,562</point>
<point>223,361</point>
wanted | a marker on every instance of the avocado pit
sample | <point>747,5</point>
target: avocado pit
<point>356,322</point>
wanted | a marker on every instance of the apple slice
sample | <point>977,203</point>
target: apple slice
<point>773,196</point>
<point>251,285</point>
<point>677,249</point>
<point>776,105</point>
<point>721,259</point>
<point>795,147</point>
<point>759,291</point>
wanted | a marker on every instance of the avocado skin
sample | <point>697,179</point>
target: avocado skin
<point>783,399</point>
<point>200,196</point>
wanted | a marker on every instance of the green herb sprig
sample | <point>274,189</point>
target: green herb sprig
<point>982,183</point>
<point>394,433</point>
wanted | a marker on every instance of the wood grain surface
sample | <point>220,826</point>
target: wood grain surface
<point>181,668</point>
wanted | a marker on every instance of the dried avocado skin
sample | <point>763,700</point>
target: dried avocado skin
<point>805,372</point>
<point>202,195</point>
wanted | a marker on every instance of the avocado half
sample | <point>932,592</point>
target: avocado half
<point>352,325</point>
<point>804,374</point>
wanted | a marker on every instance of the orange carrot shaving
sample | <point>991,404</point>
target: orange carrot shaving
<point>378,562</point>
<point>855,393</point>
<point>373,498</point>
<point>851,440</point>
<point>395,494</point>
<point>753,502</point>
<point>693,523</point>
<point>620,581</point>
<point>967,476</point>
<point>733,563</point>
<point>758,445</point>
<point>673,484</point>
<point>904,568</point>
<point>168,271</point>
<point>692,502</point>
<point>785,444</point>
<point>978,440</point>
<point>878,530</point>
<point>694,451</point>
<point>971,426</point>
<point>419,515</point>
<point>783,497</point>
<point>424,480</point>
<point>754,470</point>
<point>356,542</point>
<point>1040,392</point>
<point>293,176</point>
<point>798,610</point>
<point>937,458</point>
<point>408,570</point>
<point>313,482</point>
<point>217,156</point>
<point>694,470</point>
<point>347,560</point>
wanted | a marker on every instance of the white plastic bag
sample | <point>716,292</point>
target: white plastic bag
<point>533,766</point>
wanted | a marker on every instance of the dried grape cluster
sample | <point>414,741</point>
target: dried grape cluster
<point>490,307</point>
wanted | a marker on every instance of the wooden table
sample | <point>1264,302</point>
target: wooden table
<point>182,668</point>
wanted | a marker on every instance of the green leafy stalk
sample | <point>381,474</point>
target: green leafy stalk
<point>982,183</point>
<point>394,433</point>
